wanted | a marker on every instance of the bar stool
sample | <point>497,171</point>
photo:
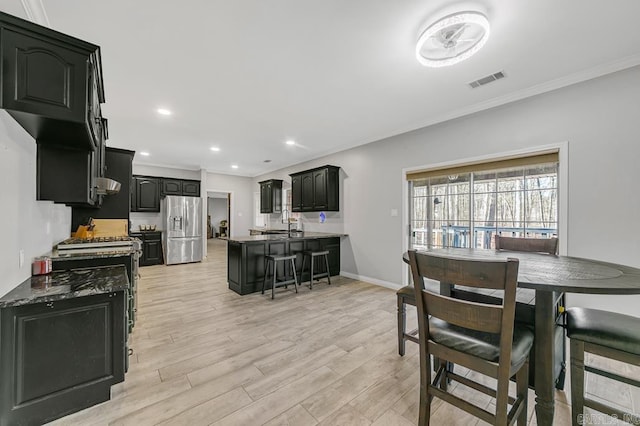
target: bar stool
<point>607,334</point>
<point>313,255</point>
<point>273,260</point>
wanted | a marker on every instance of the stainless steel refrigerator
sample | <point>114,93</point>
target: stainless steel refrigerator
<point>182,236</point>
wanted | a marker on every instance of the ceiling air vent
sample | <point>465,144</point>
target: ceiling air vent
<point>486,80</point>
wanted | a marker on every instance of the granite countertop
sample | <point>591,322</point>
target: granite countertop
<point>60,285</point>
<point>280,237</point>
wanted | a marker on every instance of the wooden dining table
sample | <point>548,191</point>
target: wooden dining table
<point>551,277</point>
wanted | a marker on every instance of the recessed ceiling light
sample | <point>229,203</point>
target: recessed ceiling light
<point>163,111</point>
<point>215,149</point>
<point>234,166</point>
<point>145,153</point>
<point>452,39</point>
<point>267,161</point>
<point>290,142</point>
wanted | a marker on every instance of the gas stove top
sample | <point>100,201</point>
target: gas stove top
<point>104,243</point>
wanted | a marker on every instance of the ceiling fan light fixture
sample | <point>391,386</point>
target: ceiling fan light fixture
<point>452,39</point>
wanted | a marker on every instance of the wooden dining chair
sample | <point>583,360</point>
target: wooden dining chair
<point>535,245</point>
<point>609,335</point>
<point>481,337</point>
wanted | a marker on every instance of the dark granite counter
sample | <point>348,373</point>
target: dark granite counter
<point>66,285</point>
<point>295,236</point>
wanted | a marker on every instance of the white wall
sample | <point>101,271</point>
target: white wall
<point>600,119</point>
<point>28,225</point>
<point>241,189</point>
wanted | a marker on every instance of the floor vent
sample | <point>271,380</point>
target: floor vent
<point>486,80</point>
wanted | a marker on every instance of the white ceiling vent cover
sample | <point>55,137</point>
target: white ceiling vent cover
<point>486,80</point>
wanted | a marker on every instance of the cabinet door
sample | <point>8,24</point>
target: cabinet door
<point>266,205</point>
<point>147,194</point>
<point>190,188</point>
<point>296,193</point>
<point>307,191</point>
<point>65,175</point>
<point>320,189</point>
<point>94,112</point>
<point>152,252</point>
<point>42,77</point>
<point>171,187</point>
<point>63,356</point>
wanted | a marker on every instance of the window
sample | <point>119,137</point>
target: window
<point>466,206</point>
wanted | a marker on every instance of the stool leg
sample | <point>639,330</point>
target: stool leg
<point>402,321</point>
<point>266,269</point>
<point>311,277</point>
<point>273,283</point>
<point>295,277</point>
<point>577,381</point>
<point>304,259</point>
<point>326,262</point>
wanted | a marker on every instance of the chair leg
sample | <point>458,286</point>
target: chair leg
<point>522,389</point>
<point>402,324</point>
<point>326,261</point>
<point>264,279</point>
<point>502,396</point>
<point>295,277</point>
<point>424,411</point>
<point>577,381</point>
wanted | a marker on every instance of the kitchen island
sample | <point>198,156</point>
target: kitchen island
<point>246,256</point>
<point>63,343</point>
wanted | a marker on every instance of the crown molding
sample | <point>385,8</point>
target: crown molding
<point>35,12</point>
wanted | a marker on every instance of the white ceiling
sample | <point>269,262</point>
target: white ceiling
<point>246,75</point>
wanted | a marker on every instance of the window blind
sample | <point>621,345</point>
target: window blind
<point>504,163</point>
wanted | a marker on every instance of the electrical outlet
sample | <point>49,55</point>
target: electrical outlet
<point>21,257</point>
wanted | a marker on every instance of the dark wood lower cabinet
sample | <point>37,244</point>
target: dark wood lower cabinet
<point>246,260</point>
<point>151,247</point>
<point>60,357</point>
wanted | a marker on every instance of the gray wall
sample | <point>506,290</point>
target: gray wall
<point>241,189</point>
<point>28,225</point>
<point>600,120</point>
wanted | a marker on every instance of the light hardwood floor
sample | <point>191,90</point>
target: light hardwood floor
<point>205,355</point>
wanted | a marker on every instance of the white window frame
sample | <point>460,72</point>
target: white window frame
<point>563,185</point>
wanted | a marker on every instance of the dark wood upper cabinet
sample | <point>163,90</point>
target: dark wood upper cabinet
<point>271,196</point>
<point>171,187</point>
<point>147,194</point>
<point>296,193</point>
<point>191,188</point>
<point>316,190</point>
<point>51,83</point>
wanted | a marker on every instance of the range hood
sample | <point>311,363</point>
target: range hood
<point>106,186</point>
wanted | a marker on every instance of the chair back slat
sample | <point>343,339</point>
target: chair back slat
<point>537,245</point>
<point>472,315</point>
<point>471,273</point>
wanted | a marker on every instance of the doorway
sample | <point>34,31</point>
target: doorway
<point>218,214</point>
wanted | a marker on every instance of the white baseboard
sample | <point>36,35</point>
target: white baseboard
<point>381,283</point>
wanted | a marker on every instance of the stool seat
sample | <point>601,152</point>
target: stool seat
<point>610,329</point>
<point>281,257</point>
<point>316,253</point>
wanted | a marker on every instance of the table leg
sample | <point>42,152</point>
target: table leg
<point>544,342</point>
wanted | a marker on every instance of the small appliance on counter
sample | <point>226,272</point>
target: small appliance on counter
<point>182,238</point>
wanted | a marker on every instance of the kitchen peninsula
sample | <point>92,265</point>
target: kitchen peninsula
<point>246,256</point>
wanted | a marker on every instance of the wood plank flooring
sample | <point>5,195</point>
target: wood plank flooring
<point>205,355</point>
